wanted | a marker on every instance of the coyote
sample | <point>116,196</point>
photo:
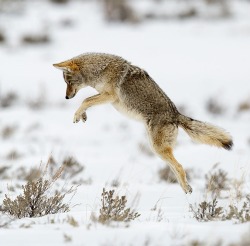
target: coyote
<point>132,91</point>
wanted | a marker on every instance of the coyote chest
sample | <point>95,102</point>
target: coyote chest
<point>131,113</point>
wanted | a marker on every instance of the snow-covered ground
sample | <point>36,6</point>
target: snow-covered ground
<point>193,61</point>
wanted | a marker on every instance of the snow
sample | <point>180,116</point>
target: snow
<point>192,60</point>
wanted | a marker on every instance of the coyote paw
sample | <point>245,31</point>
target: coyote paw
<point>80,116</point>
<point>188,189</point>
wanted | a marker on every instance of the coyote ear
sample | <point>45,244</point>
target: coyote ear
<point>67,66</point>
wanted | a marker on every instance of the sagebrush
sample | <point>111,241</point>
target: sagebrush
<point>114,208</point>
<point>207,211</point>
<point>37,198</point>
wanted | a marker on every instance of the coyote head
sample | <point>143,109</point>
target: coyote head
<point>72,77</point>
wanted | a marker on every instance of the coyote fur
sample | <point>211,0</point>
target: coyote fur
<point>132,91</point>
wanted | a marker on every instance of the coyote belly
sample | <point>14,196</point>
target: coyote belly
<point>133,92</point>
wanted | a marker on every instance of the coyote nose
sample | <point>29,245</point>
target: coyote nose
<point>67,97</point>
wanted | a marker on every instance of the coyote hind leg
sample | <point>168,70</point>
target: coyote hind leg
<point>177,168</point>
<point>163,139</point>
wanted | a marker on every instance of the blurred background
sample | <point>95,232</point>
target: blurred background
<point>177,41</point>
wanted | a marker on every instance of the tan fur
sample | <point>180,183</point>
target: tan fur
<point>133,92</point>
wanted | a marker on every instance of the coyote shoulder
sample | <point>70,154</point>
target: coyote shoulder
<point>132,91</point>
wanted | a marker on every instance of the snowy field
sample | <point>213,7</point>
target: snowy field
<point>204,67</point>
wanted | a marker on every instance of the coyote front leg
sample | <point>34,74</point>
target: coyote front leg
<point>80,114</point>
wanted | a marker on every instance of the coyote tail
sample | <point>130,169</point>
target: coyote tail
<point>206,133</point>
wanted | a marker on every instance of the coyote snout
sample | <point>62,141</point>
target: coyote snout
<point>66,97</point>
<point>131,90</point>
<point>70,91</point>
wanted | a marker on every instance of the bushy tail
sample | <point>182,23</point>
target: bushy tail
<point>206,133</point>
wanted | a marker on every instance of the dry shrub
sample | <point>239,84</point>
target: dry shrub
<point>36,199</point>
<point>167,175</point>
<point>3,170</point>
<point>2,37</point>
<point>72,167</point>
<point>188,13</point>
<point>207,211</point>
<point>115,183</point>
<point>60,1</point>
<point>71,220</point>
<point>8,99</point>
<point>119,11</point>
<point>27,174</point>
<point>217,181</point>
<point>35,39</point>
<point>114,208</point>
<point>197,242</point>
<point>244,106</point>
<point>222,5</point>
<point>33,174</point>
<point>212,9</point>
<point>214,107</point>
<point>8,131</point>
<point>241,215</point>
<point>67,238</point>
<point>13,155</point>
<point>236,188</point>
<point>66,22</point>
